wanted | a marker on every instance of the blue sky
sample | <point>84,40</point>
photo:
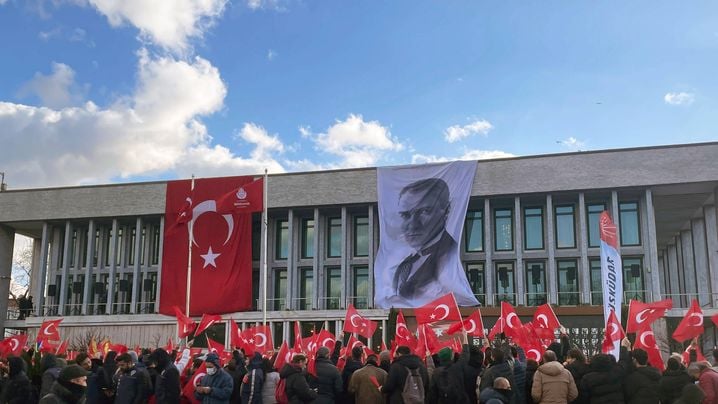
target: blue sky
<point>95,91</point>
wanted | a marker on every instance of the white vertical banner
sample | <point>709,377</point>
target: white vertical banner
<point>611,273</point>
<point>422,210</point>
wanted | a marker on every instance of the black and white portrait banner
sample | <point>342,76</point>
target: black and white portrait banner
<point>421,213</point>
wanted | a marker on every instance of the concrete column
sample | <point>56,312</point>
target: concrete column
<point>159,263</point>
<point>88,267</point>
<point>661,269</point>
<point>650,248</point>
<point>370,263</point>
<point>346,256</point>
<point>519,271</point>
<point>700,258</point>
<point>584,269</point>
<point>34,265</point>
<point>136,267</point>
<point>489,270</point>
<point>711,225</point>
<point>65,267</point>
<point>113,267</point>
<point>319,254</point>
<point>551,276</point>
<point>672,267</point>
<point>7,241</point>
<point>42,270</point>
<point>292,252</point>
<point>689,269</point>
<point>681,270</point>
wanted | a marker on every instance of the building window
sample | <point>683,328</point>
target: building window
<point>629,223</point>
<point>567,283</point>
<point>255,288</point>
<point>333,288</point>
<point>596,287</point>
<point>118,246</point>
<point>361,236</point>
<point>535,283</point>
<point>306,288</point>
<point>256,240</point>
<point>281,249</point>
<point>280,289</point>
<point>477,277</point>
<point>361,287</point>
<point>131,249</point>
<point>96,248</point>
<point>143,236</point>
<point>565,234</point>
<point>505,290</point>
<point>334,237</point>
<point>148,283</point>
<point>73,245</point>
<point>307,238</point>
<point>156,245</point>
<point>594,217</point>
<point>533,228</point>
<point>503,230</point>
<point>633,278</point>
<point>474,229</point>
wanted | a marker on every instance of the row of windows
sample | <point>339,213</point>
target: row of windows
<point>332,288</point>
<point>567,280</point>
<point>534,227</point>
<point>360,245</point>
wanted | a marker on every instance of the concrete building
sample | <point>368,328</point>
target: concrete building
<point>531,236</point>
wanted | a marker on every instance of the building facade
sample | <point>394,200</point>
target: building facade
<point>530,237</point>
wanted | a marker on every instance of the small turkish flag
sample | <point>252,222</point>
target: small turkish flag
<point>325,339</point>
<point>692,324</point>
<point>443,308</point>
<point>235,334</point>
<point>534,350</point>
<point>297,337</point>
<point>641,315</point>
<point>207,321</point>
<point>13,345</point>
<point>259,339</point>
<point>49,330</point>
<point>119,348</point>
<point>473,325</point>
<point>215,346</point>
<point>433,343</point>
<point>188,389</point>
<point>170,345</point>
<point>185,325</point>
<point>354,322</point>
<point>284,356</point>
<point>512,323</point>
<point>544,317</point>
<point>647,341</point>
<point>402,335</point>
<point>62,349</point>
<point>613,333</point>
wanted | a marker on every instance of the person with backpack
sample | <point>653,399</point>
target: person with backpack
<point>253,381</point>
<point>293,387</point>
<point>408,380</point>
<point>447,383</point>
<point>361,383</point>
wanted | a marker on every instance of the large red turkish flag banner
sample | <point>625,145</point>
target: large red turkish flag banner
<point>221,241</point>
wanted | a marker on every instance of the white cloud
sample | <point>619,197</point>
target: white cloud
<point>47,35</point>
<point>305,131</point>
<point>356,142</point>
<point>169,24</point>
<point>271,55</point>
<point>473,154</point>
<point>457,132</point>
<point>681,98</point>
<point>55,90</point>
<point>266,4</point>
<point>572,143</point>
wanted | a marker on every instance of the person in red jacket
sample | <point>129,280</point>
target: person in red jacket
<point>707,380</point>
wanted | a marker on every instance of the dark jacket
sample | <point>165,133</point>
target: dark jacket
<point>671,385</point>
<point>501,369</point>
<point>328,381</point>
<point>64,393</point>
<point>397,376</point>
<point>167,385</point>
<point>18,389</point>
<point>296,386</point>
<point>519,389</point>
<point>491,396</point>
<point>221,384</point>
<point>450,379</point>
<point>350,367</point>
<point>252,390</point>
<point>604,382</point>
<point>48,379</point>
<point>132,386</point>
<point>642,386</point>
<point>104,378</point>
<point>470,370</point>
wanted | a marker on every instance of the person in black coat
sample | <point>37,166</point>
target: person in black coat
<point>295,382</point>
<point>69,388</point>
<point>641,385</point>
<point>604,381</point>
<point>352,365</point>
<point>470,370</point>
<point>531,368</point>
<point>251,391</point>
<point>328,380</point>
<point>50,368</point>
<point>167,381</point>
<point>105,378</point>
<point>132,382</point>
<point>18,389</point>
<point>576,364</point>
<point>448,379</point>
<point>672,381</point>
<point>499,368</point>
<point>398,373</point>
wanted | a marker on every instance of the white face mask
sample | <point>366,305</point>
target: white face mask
<point>211,371</point>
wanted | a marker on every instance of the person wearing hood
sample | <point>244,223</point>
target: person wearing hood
<point>104,378</point>
<point>672,381</point>
<point>500,367</point>
<point>253,381</point>
<point>216,387</point>
<point>691,394</point>
<point>361,385</point>
<point>470,370</point>
<point>403,360</point>
<point>352,365</point>
<point>552,382</point>
<point>132,383</point>
<point>604,381</point>
<point>50,368</point>
<point>642,384</point>
<point>295,382</point>
<point>167,381</point>
<point>18,389</point>
<point>271,379</point>
<point>328,380</point>
<point>447,382</point>
<point>498,393</point>
<point>69,388</point>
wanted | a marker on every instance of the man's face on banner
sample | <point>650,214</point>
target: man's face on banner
<point>423,217</point>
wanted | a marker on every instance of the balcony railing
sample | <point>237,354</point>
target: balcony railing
<point>536,298</point>
<point>504,297</point>
<point>329,303</point>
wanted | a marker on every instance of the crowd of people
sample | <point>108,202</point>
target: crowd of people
<point>498,374</point>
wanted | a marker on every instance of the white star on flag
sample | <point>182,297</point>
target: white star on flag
<point>438,332</point>
<point>209,258</point>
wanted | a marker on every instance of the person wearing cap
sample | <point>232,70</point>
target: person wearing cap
<point>216,387</point>
<point>133,384</point>
<point>328,380</point>
<point>167,381</point>
<point>69,388</point>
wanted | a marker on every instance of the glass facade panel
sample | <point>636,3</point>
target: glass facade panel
<point>361,287</point>
<point>256,241</point>
<point>333,288</point>
<point>255,288</point>
<point>307,238</point>
<point>156,244</point>
<point>334,237</point>
<point>629,223</point>
<point>535,283</point>
<point>633,278</point>
<point>505,288</point>
<point>306,288</point>
<point>361,236</point>
<point>565,231</point>
<point>131,247</point>
<point>567,282</point>
<point>594,216</point>
<point>280,289</point>
<point>281,247</point>
<point>533,228</point>
<point>503,230</point>
<point>477,277</point>
<point>474,230</point>
<point>596,288</point>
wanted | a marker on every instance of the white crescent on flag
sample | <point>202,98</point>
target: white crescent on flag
<point>209,206</point>
<point>509,320</point>
<point>700,319</point>
<point>197,378</point>
<point>327,342</point>
<point>443,307</point>
<point>643,339</point>
<point>536,353</point>
<point>544,319</point>
<point>639,316</point>
<point>264,339</point>
<point>473,326</point>
<point>351,320</point>
<point>614,329</point>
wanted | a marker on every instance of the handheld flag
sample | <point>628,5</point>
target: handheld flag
<point>692,324</point>
<point>443,308</point>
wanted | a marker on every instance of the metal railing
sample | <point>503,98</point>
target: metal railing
<point>277,304</point>
<point>304,303</point>
<point>568,298</point>
<point>536,299</point>
<point>121,307</point>
<point>504,297</point>
<point>359,302</point>
<point>329,303</point>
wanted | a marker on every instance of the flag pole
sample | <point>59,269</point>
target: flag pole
<point>189,258</point>
<point>265,221</point>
